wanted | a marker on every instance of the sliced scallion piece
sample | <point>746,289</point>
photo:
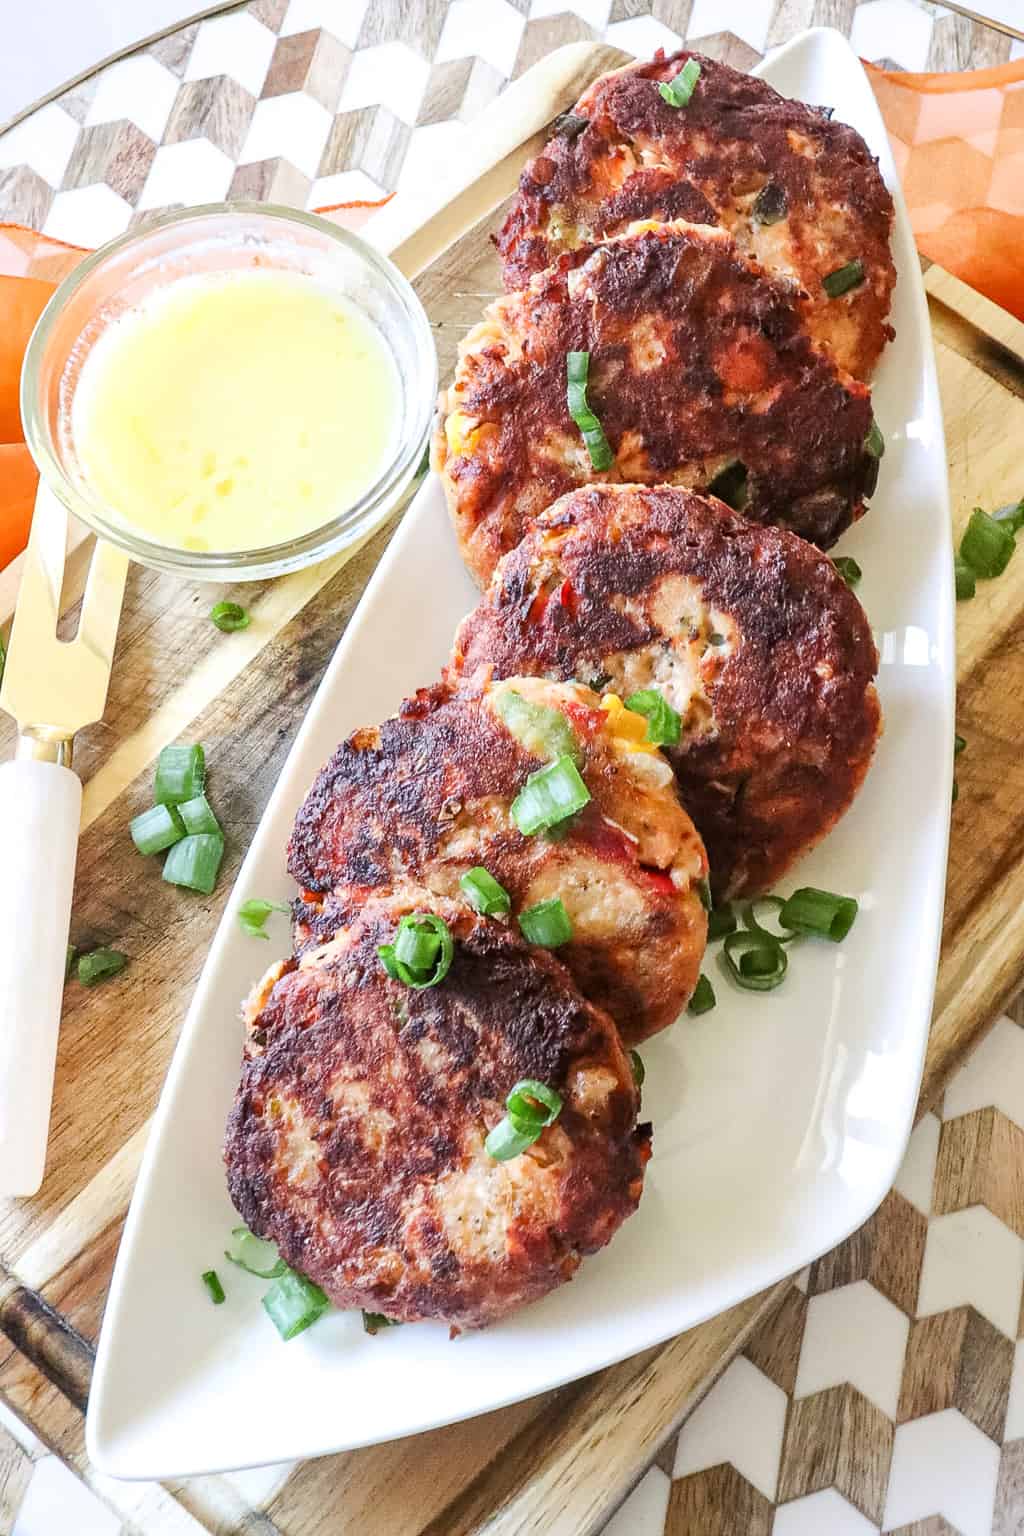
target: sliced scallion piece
<point>677,92</point>
<point>294,1303</point>
<point>530,1106</point>
<point>964,578</point>
<point>849,275</point>
<point>848,569</point>
<point>759,908</point>
<point>99,964</point>
<point>180,774</point>
<point>721,920</point>
<point>506,1142</point>
<point>822,913</point>
<point>484,894</point>
<point>637,1065</point>
<point>194,862</point>
<point>547,924</point>
<point>958,745</point>
<point>156,829</point>
<point>577,372</point>
<point>214,1289</point>
<point>986,545</point>
<point>373,1322</point>
<point>756,964</point>
<point>253,914</point>
<point>703,999</point>
<point>874,443</point>
<point>198,816</point>
<point>228,617</point>
<point>549,796</point>
<point>663,723</point>
<point>69,960</point>
<point>704,892</point>
<point>544,732</point>
<point>254,1255</point>
<point>422,952</point>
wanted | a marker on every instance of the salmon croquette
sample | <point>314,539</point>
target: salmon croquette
<point>798,191</point>
<point>701,374</point>
<point>356,1141</point>
<point>748,633</point>
<point>442,788</point>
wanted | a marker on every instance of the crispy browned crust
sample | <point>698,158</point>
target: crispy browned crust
<point>696,359</point>
<point>794,709</point>
<point>355,1140</point>
<point>624,154</point>
<point>427,796</point>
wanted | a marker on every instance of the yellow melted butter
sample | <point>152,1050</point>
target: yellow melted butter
<point>236,410</point>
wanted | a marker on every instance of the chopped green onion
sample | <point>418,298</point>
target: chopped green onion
<point>180,774</point>
<point>958,745</point>
<point>422,952</point>
<point>211,1280</point>
<point>577,370</point>
<point>721,920</point>
<point>69,960</point>
<point>848,276</point>
<point>373,1322</point>
<point>254,1255</point>
<point>821,913</point>
<point>505,1141</point>
<point>730,486</point>
<point>544,732</point>
<point>770,204</point>
<point>956,792</point>
<point>194,862</point>
<point>677,92</point>
<point>483,892</point>
<point>756,964</point>
<point>704,892</point>
<point>637,1065</point>
<point>663,724</point>
<point>547,924</point>
<point>964,578</point>
<point>752,923</point>
<point>156,829</point>
<point>874,443</point>
<point>848,569</point>
<point>252,915</point>
<point>229,617</point>
<point>549,796</point>
<point>703,999</point>
<point>531,1101</point>
<point>294,1303</point>
<point>986,545</point>
<point>100,964</point>
<point>1011,516</point>
<point>198,816</point>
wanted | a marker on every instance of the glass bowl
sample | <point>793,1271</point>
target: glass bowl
<point>218,238</point>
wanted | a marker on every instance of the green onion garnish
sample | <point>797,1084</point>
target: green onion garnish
<point>958,745</point>
<point>874,443</point>
<point>69,960</point>
<point>663,724</point>
<point>1011,516</point>
<point>756,964</point>
<point>637,1065</point>
<point>544,732</point>
<point>677,92</point>
<point>229,617</point>
<point>180,774</point>
<point>770,204</point>
<point>760,906</point>
<point>252,915</point>
<point>848,569</point>
<point>194,862</point>
<point>730,486</point>
<point>294,1303</point>
<point>986,545</point>
<point>964,578</point>
<point>721,920</point>
<point>529,1108</point>
<point>821,913</point>
<point>547,924</point>
<point>373,1322</point>
<point>703,999</point>
<point>484,894</point>
<point>254,1255</point>
<point>704,892</point>
<point>156,829</point>
<point>198,816</point>
<point>956,792</point>
<point>848,276</point>
<point>577,371</point>
<point>422,952</point>
<point>100,964</point>
<point>211,1280</point>
<point>549,796</point>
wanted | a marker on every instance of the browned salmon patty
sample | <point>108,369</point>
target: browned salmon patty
<point>429,794</point>
<point>749,633</point>
<point>701,371</point>
<point>801,193</point>
<point>356,1140</point>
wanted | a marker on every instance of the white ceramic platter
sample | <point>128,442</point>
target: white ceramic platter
<point>780,1120</point>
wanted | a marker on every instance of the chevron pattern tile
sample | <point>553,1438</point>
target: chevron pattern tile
<point>887,1393</point>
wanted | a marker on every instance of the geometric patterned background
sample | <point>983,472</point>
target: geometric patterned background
<point>888,1394</point>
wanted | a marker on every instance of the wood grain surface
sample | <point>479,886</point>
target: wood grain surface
<point>560,1463</point>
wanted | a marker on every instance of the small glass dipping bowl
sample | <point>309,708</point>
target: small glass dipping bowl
<point>217,238</point>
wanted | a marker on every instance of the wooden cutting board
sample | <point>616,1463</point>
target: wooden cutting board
<point>559,1463</point>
